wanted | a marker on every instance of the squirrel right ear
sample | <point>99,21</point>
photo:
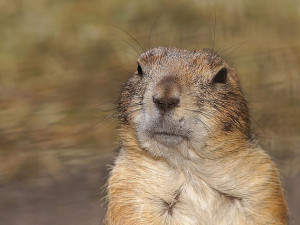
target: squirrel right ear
<point>220,77</point>
<point>139,70</point>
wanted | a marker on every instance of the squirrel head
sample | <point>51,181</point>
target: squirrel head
<point>179,98</point>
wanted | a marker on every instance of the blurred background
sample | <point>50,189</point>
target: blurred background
<point>63,62</point>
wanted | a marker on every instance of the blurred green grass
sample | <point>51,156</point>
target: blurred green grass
<point>60,61</point>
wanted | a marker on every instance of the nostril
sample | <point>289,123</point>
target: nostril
<point>166,104</point>
<point>172,101</point>
<point>156,100</point>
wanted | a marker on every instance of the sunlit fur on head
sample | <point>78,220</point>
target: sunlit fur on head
<point>207,110</point>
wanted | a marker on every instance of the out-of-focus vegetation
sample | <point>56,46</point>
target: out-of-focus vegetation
<point>63,61</point>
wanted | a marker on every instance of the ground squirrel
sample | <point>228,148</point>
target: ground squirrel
<point>188,155</point>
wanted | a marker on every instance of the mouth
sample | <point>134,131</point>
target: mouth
<point>168,138</point>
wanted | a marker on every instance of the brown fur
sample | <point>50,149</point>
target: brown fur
<point>194,163</point>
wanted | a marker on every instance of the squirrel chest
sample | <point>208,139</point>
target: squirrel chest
<point>162,195</point>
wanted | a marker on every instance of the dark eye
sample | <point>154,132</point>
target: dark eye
<point>139,70</point>
<point>220,77</point>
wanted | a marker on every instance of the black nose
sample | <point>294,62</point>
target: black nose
<point>166,103</point>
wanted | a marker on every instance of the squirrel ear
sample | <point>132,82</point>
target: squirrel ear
<point>139,70</point>
<point>220,77</point>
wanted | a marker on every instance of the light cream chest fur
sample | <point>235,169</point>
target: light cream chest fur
<point>164,195</point>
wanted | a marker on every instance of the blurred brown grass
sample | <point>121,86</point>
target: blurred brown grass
<point>60,59</point>
<point>63,62</point>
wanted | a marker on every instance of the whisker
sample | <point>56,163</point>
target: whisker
<point>108,110</point>
<point>130,36</point>
<point>132,54</point>
<point>127,43</point>
<point>213,42</point>
<point>105,120</point>
<point>149,35</point>
<point>111,115</point>
<point>237,47</point>
<point>226,49</point>
<point>115,101</point>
